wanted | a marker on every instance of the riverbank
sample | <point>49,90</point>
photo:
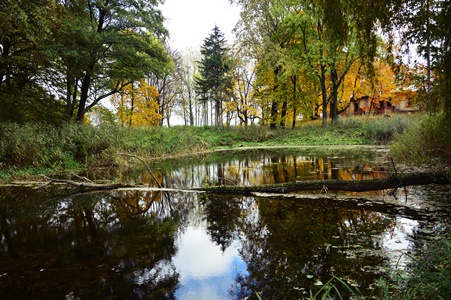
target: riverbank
<point>32,149</point>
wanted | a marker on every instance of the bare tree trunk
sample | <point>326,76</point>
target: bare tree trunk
<point>83,97</point>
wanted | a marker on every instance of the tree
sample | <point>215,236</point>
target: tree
<point>167,85</point>
<point>101,46</point>
<point>137,105</point>
<point>243,101</point>
<point>23,96</point>
<point>256,31</point>
<point>215,83</point>
<point>296,42</point>
<point>329,45</point>
<point>428,25</point>
<point>187,87</point>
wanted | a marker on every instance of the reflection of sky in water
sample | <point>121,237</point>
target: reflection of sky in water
<point>205,271</point>
<point>397,241</point>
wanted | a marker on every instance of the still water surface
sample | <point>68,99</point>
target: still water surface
<point>184,245</point>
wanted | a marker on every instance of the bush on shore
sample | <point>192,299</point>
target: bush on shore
<point>427,142</point>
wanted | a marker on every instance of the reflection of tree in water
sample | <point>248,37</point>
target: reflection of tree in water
<point>138,204</point>
<point>222,214</point>
<point>85,247</point>
<point>290,246</point>
<point>260,167</point>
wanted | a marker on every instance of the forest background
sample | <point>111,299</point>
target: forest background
<point>99,63</point>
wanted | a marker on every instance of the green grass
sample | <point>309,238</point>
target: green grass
<point>34,147</point>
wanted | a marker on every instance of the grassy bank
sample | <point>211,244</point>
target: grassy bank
<point>31,149</point>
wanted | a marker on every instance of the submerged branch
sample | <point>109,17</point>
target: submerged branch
<point>79,184</point>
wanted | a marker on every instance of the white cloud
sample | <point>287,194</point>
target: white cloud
<point>200,258</point>
<point>190,22</point>
<point>205,271</point>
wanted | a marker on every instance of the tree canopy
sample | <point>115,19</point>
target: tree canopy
<point>293,59</point>
<point>77,52</point>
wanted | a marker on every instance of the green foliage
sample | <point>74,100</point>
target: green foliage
<point>214,84</point>
<point>23,96</point>
<point>60,56</point>
<point>46,147</point>
<point>30,104</point>
<point>331,290</point>
<point>429,140</point>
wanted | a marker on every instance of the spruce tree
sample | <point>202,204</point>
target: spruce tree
<point>215,83</point>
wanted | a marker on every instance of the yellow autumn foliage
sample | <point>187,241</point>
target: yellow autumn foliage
<point>137,105</point>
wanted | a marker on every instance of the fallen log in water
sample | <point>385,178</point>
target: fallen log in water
<point>391,182</point>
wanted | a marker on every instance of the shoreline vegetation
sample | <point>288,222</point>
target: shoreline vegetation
<point>28,150</point>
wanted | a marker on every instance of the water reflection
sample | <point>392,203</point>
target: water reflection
<point>261,167</point>
<point>161,245</point>
<point>290,247</point>
<point>83,248</point>
<point>206,272</point>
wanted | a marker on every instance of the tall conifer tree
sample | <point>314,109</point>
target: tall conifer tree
<point>215,83</point>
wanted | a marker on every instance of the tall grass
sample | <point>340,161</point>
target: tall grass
<point>42,146</point>
<point>379,129</point>
<point>426,142</point>
<point>431,268</point>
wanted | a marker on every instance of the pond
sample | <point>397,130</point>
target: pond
<point>178,244</point>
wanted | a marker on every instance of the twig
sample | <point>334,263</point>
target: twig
<point>325,189</point>
<point>81,177</point>
<point>147,166</point>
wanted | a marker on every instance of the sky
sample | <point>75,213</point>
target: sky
<point>191,21</point>
<point>205,271</point>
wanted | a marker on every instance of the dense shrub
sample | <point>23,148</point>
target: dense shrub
<point>429,140</point>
